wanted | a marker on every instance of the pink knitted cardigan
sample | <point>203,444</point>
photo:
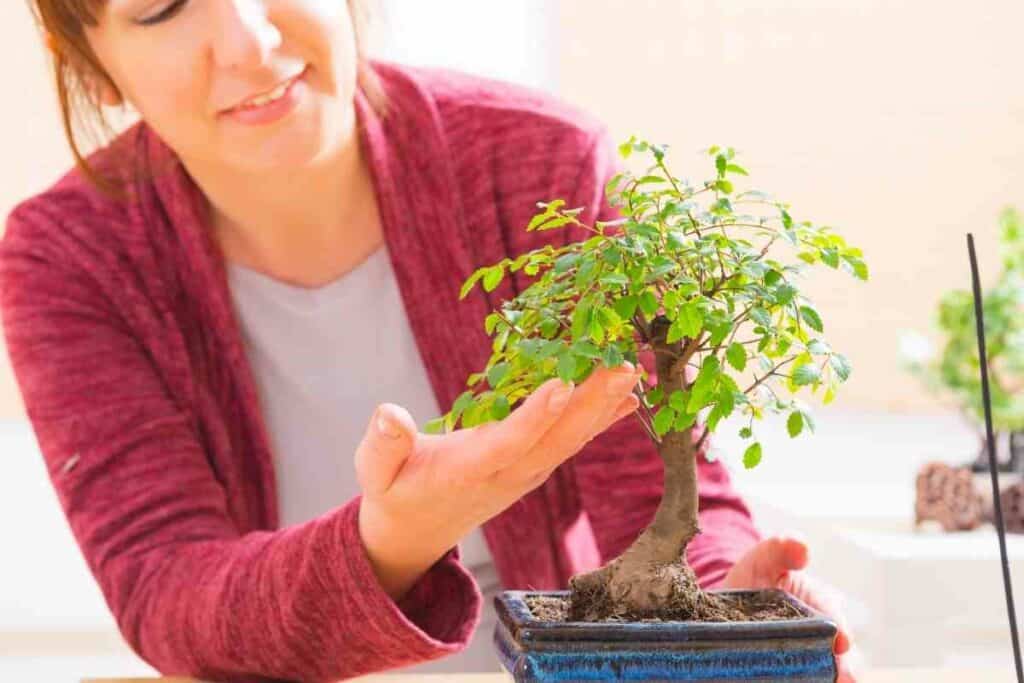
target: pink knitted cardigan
<point>120,328</point>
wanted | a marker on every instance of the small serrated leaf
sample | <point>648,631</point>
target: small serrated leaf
<point>795,424</point>
<point>812,318</point>
<point>497,373</point>
<point>807,373</point>
<point>752,456</point>
<point>840,366</point>
<point>736,354</point>
<point>500,408</point>
<point>566,366</point>
<point>492,277</point>
<point>663,420</point>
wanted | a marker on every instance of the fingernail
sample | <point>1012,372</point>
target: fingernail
<point>560,396</point>
<point>388,428</point>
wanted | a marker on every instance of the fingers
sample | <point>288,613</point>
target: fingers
<point>589,411</point>
<point>388,442</point>
<point>503,443</point>
<point>775,557</point>
<point>825,599</point>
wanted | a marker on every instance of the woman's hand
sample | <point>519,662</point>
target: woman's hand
<point>422,493</point>
<point>774,563</point>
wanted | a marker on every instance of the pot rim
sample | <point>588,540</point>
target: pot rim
<point>513,611</point>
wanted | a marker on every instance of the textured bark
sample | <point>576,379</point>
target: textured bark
<point>651,578</point>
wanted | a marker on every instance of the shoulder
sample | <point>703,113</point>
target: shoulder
<point>492,117</point>
<point>72,217</point>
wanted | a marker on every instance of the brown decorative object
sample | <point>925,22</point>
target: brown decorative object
<point>1012,498</point>
<point>947,495</point>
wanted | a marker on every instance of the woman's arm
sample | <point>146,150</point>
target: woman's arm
<point>190,593</point>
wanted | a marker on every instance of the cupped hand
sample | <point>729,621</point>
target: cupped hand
<point>423,492</point>
<point>776,563</point>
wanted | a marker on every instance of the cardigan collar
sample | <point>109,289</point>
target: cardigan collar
<point>423,230</point>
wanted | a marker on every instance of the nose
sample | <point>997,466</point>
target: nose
<point>243,35</point>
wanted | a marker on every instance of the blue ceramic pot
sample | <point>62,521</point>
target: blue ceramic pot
<point>536,651</point>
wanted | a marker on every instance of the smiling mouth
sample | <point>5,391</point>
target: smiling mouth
<point>263,99</point>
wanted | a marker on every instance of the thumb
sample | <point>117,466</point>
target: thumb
<point>388,442</point>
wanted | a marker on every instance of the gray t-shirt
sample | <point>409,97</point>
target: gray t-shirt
<point>324,358</point>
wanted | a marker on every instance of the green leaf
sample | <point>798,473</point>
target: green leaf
<point>721,164</point>
<point>497,373</point>
<point>548,327</point>
<point>840,366</point>
<point>586,349</point>
<point>565,262</point>
<point>724,186</point>
<point>684,421</point>
<point>860,269</point>
<point>736,354</point>
<point>585,273</point>
<point>678,400</point>
<point>817,347</point>
<point>726,401</point>
<point>537,220</point>
<point>500,408</point>
<point>555,222</point>
<point>580,321</point>
<point>612,357</point>
<point>464,400</point>
<point>566,366</point>
<point>435,426</point>
<point>812,318</point>
<point>663,420</point>
<point>795,423</point>
<point>490,321</point>
<point>493,277</point>
<point>752,456</point>
<point>808,373</point>
<point>648,303</point>
<point>655,395</point>
<point>614,280</point>
<point>626,306</point>
<point>468,285</point>
<point>746,433</point>
<point>734,168</point>
<point>690,318</point>
<point>760,316</point>
<point>784,294</point>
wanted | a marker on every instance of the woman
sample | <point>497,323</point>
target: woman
<point>202,313</point>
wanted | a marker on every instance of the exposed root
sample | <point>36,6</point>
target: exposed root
<point>667,592</point>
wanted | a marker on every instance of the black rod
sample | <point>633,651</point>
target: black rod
<point>979,317</point>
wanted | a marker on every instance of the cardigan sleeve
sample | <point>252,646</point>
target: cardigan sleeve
<point>619,473</point>
<point>191,594</point>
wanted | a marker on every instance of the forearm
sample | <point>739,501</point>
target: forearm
<point>298,604</point>
<point>399,553</point>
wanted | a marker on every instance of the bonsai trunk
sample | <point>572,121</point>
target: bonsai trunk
<point>651,579</point>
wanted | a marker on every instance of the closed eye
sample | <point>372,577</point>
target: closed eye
<point>164,14</point>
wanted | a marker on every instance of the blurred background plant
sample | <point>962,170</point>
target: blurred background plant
<point>955,371</point>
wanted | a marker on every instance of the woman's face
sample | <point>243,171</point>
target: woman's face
<point>191,68</point>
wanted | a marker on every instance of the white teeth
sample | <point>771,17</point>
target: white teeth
<point>262,100</point>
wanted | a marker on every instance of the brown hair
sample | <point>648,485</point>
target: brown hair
<point>62,23</point>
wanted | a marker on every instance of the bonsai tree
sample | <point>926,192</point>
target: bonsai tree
<point>955,371</point>
<point>687,272</point>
